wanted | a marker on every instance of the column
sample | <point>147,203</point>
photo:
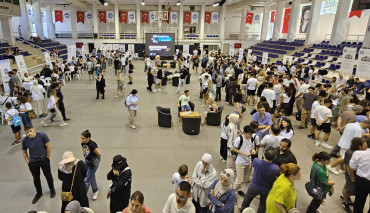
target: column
<point>339,31</point>
<point>49,22</point>
<point>37,16</point>
<point>116,20</point>
<point>73,21</point>
<point>243,24</point>
<point>366,42</point>
<point>202,18</point>
<point>265,21</point>
<point>24,20</point>
<point>138,21</point>
<point>293,22</point>
<point>95,19</point>
<point>279,18</point>
<point>180,36</point>
<point>313,23</point>
<point>159,22</point>
<point>6,27</point>
<point>223,18</point>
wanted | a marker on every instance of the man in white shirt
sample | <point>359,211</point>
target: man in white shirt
<point>281,69</point>
<point>302,89</point>
<point>230,71</point>
<point>179,202</point>
<point>288,80</point>
<point>252,87</point>
<point>278,89</point>
<point>272,140</point>
<point>341,82</point>
<point>322,115</point>
<point>269,94</point>
<point>123,64</point>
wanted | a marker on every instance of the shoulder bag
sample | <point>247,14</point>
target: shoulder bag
<point>313,190</point>
<point>67,196</point>
<point>31,115</point>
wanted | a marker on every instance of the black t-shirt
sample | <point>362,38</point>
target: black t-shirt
<point>131,67</point>
<point>183,73</point>
<point>116,64</point>
<point>159,74</point>
<point>47,72</point>
<point>88,149</point>
<point>284,158</point>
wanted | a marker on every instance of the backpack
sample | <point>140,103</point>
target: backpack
<point>315,191</point>
<point>16,120</point>
<point>240,145</point>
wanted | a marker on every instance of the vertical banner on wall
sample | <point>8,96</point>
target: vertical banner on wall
<point>240,55</point>
<point>348,60</point>
<point>122,48</point>
<point>145,17</point>
<point>131,17</point>
<point>21,64</point>
<point>305,18</point>
<point>174,18</point>
<point>256,19</point>
<point>123,16</point>
<point>363,64</point>
<point>194,17</point>
<point>81,17</point>
<point>110,16</point>
<point>231,50</point>
<point>272,20</point>
<point>265,57</point>
<point>151,17</point>
<point>83,51</point>
<point>131,49</point>
<point>185,50</point>
<point>58,16</point>
<point>67,16</point>
<point>4,69</point>
<point>207,17</point>
<point>187,17</point>
<point>89,17</point>
<point>214,18</point>
<point>287,58</point>
<point>249,54</point>
<point>249,18</point>
<point>286,20</point>
<point>47,59</point>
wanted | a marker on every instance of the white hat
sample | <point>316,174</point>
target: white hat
<point>67,157</point>
<point>98,65</point>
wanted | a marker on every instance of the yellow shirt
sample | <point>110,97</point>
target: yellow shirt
<point>283,192</point>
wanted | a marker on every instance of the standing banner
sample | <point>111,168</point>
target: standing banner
<point>71,52</point>
<point>256,19</point>
<point>187,17</point>
<point>110,16</point>
<point>21,65</point>
<point>144,17</point>
<point>363,64</point>
<point>103,48</point>
<point>122,47</point>
<point>174,18</point>
<point>265,57</point>
<point>348,60</point>
<point>287,58</point>
<point>214,18</point>
<point>47,59</point>
<point>185,50</point>
<point>4,69</point>
<point>151,17</point>
<point>207,17</point>
<point>67,16</point>
<point>83,51</point>
<point>131,17</point>
<point>286,20</point>
<point>240,55</point>
<point>194,17</point>
<point>305,18</point>
<point>249,54</point>
<point>131,49</point>
<point>123,16</point>
<point>231,50</point>
<point>89,17</point>
<point>115,46</point>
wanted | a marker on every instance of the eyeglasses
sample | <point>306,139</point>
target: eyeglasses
<point>182,198</point>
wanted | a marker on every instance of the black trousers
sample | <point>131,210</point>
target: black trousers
<point>223,148</point>
<point>198,208</point>
<point>335,150</point>
<point>218,94</point>
<point>62,109</point>
<point>101,92</point>
<point>149,86</point>
<point>314,205</point>
<point>250,195</point>
<point>35,171</point>
<point>362,190</point>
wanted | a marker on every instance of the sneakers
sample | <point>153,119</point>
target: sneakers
<point>16,143</point>
<point>52,193</point>
<point>63,124</point>
<point>159,89</point>
<point>349,201</point>
<point>43,124</point>
<point>326,145</point>
<point>224,161</point>
<point>116,96</point>
<point>312,136</point>
<point>155,90</point>
<point>317,143</point>
<point>241,193</point>
<point>346,207</point>
<point>133,126</point>
<point>341,171</point>
<point>332,170</point>
<point>95,195</point>
<point>177,91</point>
<point>221,158</point>
<point>36,198</point>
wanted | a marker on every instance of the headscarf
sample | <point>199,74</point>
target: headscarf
<point>234,118</point>
<point>34,86</point>
<point>219,188</point>
<point>68,169</point>
<point>208,159</point>
<point>75,207</point>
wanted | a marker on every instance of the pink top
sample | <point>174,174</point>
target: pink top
<point>146,210</point>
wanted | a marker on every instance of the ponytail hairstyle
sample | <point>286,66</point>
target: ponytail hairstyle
<point>227,120</point>
<point>321,156</point>
<point>289,169</point>
<point>138,196</point>
<point>86,134</point>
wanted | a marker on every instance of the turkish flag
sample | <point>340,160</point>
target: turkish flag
<point>168,18</point>
<point>249,18</point>
<point>123,16</point>
<point>58,16</point>
<point>207,17</point>
<point>286,20</point>
<point>102,16</point>
<point>272,17</point>
<point>187,17</point>
<point>355,13</point>
<point>144,17</point>
<point>80,17</point>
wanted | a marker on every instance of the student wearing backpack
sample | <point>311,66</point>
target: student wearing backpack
<point>132,102</point>
<point>15,125</point>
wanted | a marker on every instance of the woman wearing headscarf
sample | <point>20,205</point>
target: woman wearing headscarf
<point>120,189</point>
<point>38,105</point>
<point>203,176</point>
<point>75,207</point>
<point>72,169</point>
<point>232,133</point>
<point>221,193</point>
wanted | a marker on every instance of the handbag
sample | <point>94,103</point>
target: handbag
<point>67,196</point>
<point>30,115</point>
<point>314,191</point>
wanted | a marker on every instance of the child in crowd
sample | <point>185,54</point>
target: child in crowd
<point>181,175</point>
<point>9,117</point>
<point>120,84</point>
<point>282,115</point>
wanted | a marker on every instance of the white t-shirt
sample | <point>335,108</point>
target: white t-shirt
<point>252,83</point>
<point>202,77</point>
<point>286,98</point>
<point>246,147</point>
<point>286,134</point>
<point>123,61</point>
<point>38,94</point>
<point>26,106</point>
<point>286,82</point>
<point>223,131</point>
<point>277,88</point>
<point>171,206</point>
<point>322,112</point>
<point>176,179</point>
<point>303,89</point>
<point>147,62</point>
<point>314,105</point>
<point>271,141</point>
<point>10,113</point>
<point>270,96</point>
<point>52,103</point>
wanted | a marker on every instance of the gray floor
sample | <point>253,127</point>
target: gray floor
<point>153,153</point>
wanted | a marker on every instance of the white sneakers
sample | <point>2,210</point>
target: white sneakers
<point>317,143</point>
<point>323,144</point>
<point>332,170</point>
<point>133,126</point>
<point>43,124</point>
<point>63,124</point>
<point>95,195</point>
<point>155,90</point>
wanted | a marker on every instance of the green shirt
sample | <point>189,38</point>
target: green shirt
<point>322,176</point>
<point>283,192</point>
<point>343,100</point>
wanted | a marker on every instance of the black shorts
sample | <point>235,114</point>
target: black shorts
<point>196,64</point>
<point>313,122</point>
<point>90,72</point>
<point>130,71</point>
<point>15,129</point>
<point>205,91</point>
<point>251,92</point>
<point>325,127</point>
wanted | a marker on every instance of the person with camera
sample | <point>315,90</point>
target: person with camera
<point>120,190</point>
<point>92,160</point>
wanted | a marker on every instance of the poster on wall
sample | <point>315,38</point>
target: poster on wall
<point>265,57</point>
<point>131,49</point>
<point>71,52</point>
<point>185,50</point>
<point>122,48</point>
<point>348,60</point>
<point>363,64</point>
<point>286,20</point>
<point>115,46</point>
<point>305,18</point>
<point>4,69</point>
<point>287,58</point>
<point>249,54</point>
<point>102,48</point>
<point>47,59</point>
<point>21,64</point>
<point>108,47</point>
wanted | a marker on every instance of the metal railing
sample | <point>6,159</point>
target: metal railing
<point>128,35</point>
<point>301,36</point>
<point>85,35</point>
<point>356,38</point>
<point>211,37</point>
<point>107,35</point>
<point>160,29</point>
<point>191,36</point>
<point>232,36</point>
<point>63,35</point>
<point>253,36</point>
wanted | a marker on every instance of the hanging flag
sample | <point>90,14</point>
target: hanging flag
<point>256,18</point>
<point>168,18</point>
<point>144,17</point>
<point>151,17</point>
<point>58,16</point>
<point>67,16</point>
<point>207,17</point>
<point>355,13</point>
<point>102,16</point>
<point>214,18</point>
<point>131,17</point>
<point>272,20</point>
<point>110,16</point>
<point>187,17</point>
<point>249,18</point>
<point>89,17</point>
<point>173,18</point>
<point>123,16</point>
<point>286,20</point>
<point>80,17</point>
<point>194,17</point>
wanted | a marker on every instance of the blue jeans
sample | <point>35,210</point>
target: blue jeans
<point>185,108</point>
<point>25,120</point>
<point>90,178</point>
<point>123,68</point>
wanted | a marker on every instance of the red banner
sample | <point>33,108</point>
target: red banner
<point>102,16</point>
<point>80,17</point>
<point>207,17</point>
<point>249,18</point>
<point>272,17</point>
<point>168,18</point>
<point>187,17</point>
<point>286,20</point>
<point>123,16</point>
<point>355,13</point>
<point>58,16</point>
<point>145,17</point>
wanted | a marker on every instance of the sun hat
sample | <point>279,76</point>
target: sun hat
<point>67,157</point>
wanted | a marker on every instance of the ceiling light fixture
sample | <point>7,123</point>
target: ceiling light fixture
<point>105,3</point>
<point>178,3</point>
<point>143,2</point>
<point>216,4</point>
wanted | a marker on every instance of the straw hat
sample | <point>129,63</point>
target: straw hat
<point>67,157</point>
